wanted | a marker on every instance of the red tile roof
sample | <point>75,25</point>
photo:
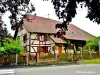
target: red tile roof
<point>76,33</point>
<point>40,25</point>
<point>44,25</point>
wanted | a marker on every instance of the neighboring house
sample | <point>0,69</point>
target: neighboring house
<point>77,36</point>
<point>38,33</point>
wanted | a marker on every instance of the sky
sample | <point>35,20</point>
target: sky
<point>43,8</point>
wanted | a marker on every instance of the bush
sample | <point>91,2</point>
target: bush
<point>13,46</point>
<point>63,57</point>
<point>50,55</point>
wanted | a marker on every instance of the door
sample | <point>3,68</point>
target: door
<point>59,49</point>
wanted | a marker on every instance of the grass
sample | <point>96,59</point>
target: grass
<point>91,61</point>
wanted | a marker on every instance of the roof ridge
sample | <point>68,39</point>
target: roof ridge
<point>43,17</point>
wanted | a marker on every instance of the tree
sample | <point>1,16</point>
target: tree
<point>13,46</point>
<point>15,7</point>
<point>10,47</point>
<point>6,33</point>
<point>93,43</point>
<point>2,51</point>
<point>66,10</point>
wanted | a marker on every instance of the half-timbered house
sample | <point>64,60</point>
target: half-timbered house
<point>37,34</point>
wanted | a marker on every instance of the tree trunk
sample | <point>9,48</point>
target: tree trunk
<point>16,32</point>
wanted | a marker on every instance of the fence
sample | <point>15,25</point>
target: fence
<point>43,57</point>
<point>11,60</point>
<point>24,60</point>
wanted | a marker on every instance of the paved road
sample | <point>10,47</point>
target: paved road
<point>60,70</point>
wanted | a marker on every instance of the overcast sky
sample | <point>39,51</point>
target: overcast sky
<point>43,8</point>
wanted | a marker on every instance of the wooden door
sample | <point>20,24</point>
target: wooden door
<point>59,49</point>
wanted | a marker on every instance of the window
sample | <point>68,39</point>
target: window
<point>41,37</point>
<point>24,38</point>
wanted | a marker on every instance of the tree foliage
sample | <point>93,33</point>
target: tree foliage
<point>66,10</point>
<point>93,43</point>
<point>11,46</point>
<point>15,7</point>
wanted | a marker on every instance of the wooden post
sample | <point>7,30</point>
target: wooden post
<point>37,55</point>
<point>67,54</point>
<point>81,53</point>
<point>90,52</point>
<point>56,54</point>
<point>29,43</point>
<point>16,59</point>
<point>27,58</point>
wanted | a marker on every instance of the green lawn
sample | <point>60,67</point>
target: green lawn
<point>91,61</point>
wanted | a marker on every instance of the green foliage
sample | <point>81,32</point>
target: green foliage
<point>67,45</point>
<point>50,55</point>
<point>55,47</point>
<point>93,42</point>
<point>68,41</point>
<point>11,46</point>
<point>2,51</point>
<point>63,57</point>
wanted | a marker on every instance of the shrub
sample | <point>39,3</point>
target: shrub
<point>50,55</point>
<point>63,57</point>
<point>13,46</point>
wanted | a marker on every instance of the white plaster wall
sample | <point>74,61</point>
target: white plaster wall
<point>28,34</point>
<point>32,50</point>
<point>51,41</point>
<point>33,35</point>
<point>27,48</point>
<point>48,42</point>
<point>22,32</point>
<point>27,42</point>
<point>35,41</point>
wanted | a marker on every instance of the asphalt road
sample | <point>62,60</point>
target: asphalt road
<point>57,70</point>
